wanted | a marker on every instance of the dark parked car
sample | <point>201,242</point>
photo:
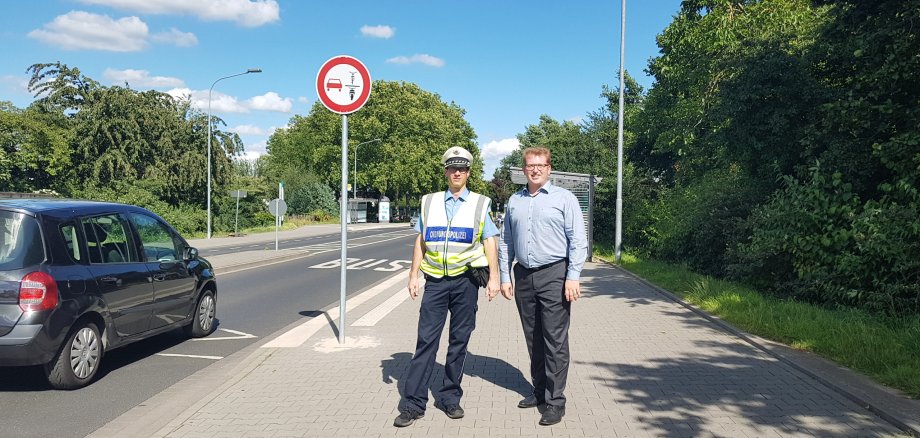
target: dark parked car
<point>79,278</point>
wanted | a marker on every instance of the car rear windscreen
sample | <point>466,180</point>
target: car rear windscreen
<point>20,241</point>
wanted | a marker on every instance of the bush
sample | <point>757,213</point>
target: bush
<point>697,224</point>
<point>816,240</point>
<point>312,197</point>
<point>186,219</point>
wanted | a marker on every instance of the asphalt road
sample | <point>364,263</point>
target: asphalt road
<point>252,304</point>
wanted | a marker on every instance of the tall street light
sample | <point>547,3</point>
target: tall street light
<point>355,193</point>
<point>252,70</point>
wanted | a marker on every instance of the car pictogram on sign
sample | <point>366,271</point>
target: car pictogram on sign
<point>333,83</point>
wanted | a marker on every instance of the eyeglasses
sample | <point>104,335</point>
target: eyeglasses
<point>536,166</point>
<point>457,169</point>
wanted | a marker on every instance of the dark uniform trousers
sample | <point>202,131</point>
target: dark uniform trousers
<point>545,314</point>
<point>457,295</point>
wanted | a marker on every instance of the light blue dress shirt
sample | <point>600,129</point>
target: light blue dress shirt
<point>543,229</point>
<point>451,204</point>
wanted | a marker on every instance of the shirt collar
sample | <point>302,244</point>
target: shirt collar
<point>464,195</point>
<point>545,188</point>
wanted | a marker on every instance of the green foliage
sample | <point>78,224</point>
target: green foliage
<point>748,96</point>
<point>185,219</point>
<point>819,242</point>
<point>312,197</point>
<point>34,149</point>
<point>414,126</point>
<point>696,224</point>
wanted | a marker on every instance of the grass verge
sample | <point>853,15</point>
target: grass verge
<point>885,349</point>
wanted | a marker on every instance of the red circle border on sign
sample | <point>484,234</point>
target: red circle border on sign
<point>365,92</point>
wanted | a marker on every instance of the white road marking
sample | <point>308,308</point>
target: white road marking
<point>371,318</point>
<point>239,335</point>
<point>296,336</point>
<point>194,356</point>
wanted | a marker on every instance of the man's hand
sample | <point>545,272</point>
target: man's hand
<point>572,290</point>
<point>507,291</point>
<point>493,288</point>
<point>413,286</point>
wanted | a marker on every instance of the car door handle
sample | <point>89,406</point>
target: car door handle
<point>159,277</point>
<point>111,280</point>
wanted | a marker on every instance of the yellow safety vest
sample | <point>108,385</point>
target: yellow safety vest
<point>452,245</point>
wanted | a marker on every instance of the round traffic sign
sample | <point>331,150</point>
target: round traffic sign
<point>343,84</point>
<point>277,207</point>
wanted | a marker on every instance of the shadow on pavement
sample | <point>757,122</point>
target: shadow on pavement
<point>684,392</point>
<point>493,370</point>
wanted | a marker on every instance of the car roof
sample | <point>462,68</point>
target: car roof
<point>51,205</point>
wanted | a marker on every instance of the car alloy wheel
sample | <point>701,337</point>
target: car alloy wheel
<point>78,360</point>
<point>206,310</point>
<point>84,353</point>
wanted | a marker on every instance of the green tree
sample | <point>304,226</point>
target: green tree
<point>414,126</point>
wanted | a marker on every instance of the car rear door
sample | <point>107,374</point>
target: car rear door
<point>120,275</point>
<point>174,284</point>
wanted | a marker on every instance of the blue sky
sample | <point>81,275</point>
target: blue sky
<point>504,62</point>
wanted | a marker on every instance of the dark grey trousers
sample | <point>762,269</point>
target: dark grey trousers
<point>545,315</point>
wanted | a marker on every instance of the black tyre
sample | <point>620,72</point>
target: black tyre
<point>205,320</point>
<point>78,359</point>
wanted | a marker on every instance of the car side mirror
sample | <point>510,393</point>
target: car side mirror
<point>191,253</point>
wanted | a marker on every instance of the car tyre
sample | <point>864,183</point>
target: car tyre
<point>204,321</point>
<point>78,360</point>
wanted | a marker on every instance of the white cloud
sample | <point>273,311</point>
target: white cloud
<point>247,130</point>
<point>141,79</point>
<point>78,30</point>
<point>176,37</point>
<point>250,13</point>
<point>380,31</point>
<point>220,103</point>
<point>15,84</point>
<point>255,150</point>
<point>493,152</point>
<point>418,59</point>
<point>304,100</point>
<point>271,101</point>
<point>576,120</point>
<point>496,150</point>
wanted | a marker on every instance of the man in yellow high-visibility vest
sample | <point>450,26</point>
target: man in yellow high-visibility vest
<point>456,236</point>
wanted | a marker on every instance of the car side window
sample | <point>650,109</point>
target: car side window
<point>158,241</point>
<point>107,240</point>
<point>69,233</point>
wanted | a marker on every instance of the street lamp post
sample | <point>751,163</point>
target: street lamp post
<point>252,70</point>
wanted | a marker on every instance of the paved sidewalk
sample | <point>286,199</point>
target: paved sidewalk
<point>643,365</point>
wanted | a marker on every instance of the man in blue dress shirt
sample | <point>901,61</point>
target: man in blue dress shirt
<point>456,235</point>
<point>545,232</point>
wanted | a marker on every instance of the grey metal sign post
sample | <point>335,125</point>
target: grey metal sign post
<point>236,222</point>
<point>277,207</point>
<point>336,75</point>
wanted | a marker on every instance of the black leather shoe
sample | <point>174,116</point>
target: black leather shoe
<point>552,415</point>
<point>453,411</point>
<point>529,402</point>
<point>407,418</point>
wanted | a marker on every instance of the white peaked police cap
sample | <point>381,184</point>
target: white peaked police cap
<point>457,157</point>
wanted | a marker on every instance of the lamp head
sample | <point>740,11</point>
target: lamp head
<point>254,70</point>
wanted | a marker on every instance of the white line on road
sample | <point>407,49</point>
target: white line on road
<point>296,336</point>
<point>194,356</point>
<point>239,335</point>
